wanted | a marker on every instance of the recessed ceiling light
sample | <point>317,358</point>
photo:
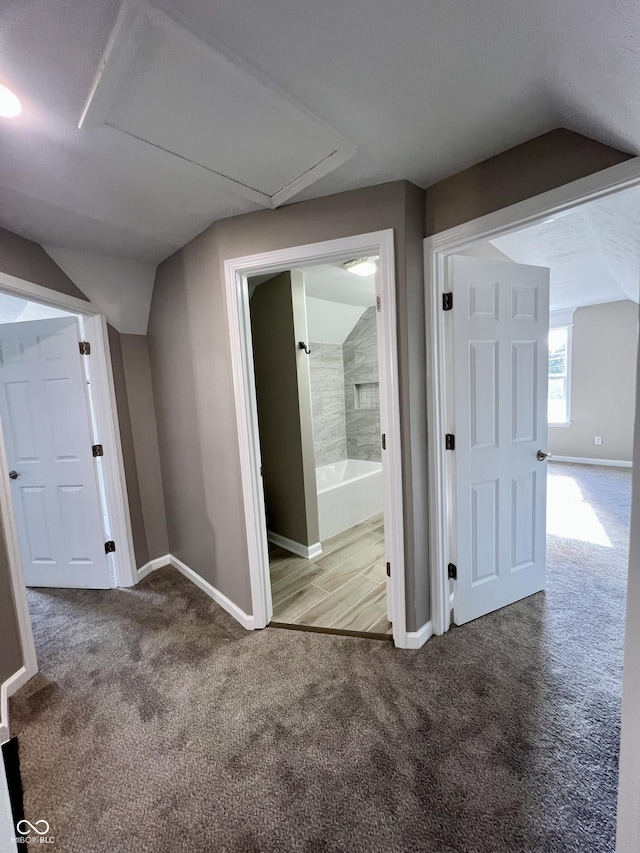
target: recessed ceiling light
<point>362,266</point>
<point>10,105</point>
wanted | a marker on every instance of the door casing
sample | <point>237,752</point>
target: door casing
<point>437,250</point>
<point>106,418</point>
<point>237,271</point>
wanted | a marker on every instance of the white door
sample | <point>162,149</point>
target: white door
<point>46,423</point>
<point>500,332</point>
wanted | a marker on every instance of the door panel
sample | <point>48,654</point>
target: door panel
<point>500,327</point>
<point>46,423</point>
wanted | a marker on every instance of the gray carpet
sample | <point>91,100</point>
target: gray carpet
<point>158,724</point>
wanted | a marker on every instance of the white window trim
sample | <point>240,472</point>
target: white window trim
<point>569,327</point>
<point>564,320</point>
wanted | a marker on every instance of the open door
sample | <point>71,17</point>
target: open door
<point>500,331</point>
<point>45,416</point>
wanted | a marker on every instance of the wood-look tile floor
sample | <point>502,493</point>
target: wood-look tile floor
<point>345,588</point>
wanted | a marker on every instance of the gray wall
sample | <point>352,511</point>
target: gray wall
<point>549,161</point>
<point>326,368</point>
<point>284,408</point>
<point>190,362</point>
<point>360,353</point>
<point>603,381</point>
<point>151,529</point>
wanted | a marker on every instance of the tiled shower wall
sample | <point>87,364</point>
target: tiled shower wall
<point>326,369</point>
<point>361,397</point>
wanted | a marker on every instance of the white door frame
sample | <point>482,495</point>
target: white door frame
<point>123,567</point>
<point>437,249</point>
<point>236,272</point>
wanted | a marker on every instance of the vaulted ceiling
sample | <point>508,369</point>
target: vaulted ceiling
<point>592,251</point>
<point>203,110</point>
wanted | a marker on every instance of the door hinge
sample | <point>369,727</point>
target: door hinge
<point>384,441</point>
<point>388,570</point>
<point>109,547</point>
<point>85,347</point>
<point>452,572</point>
<point>98,450</point>
<point>449,441</point>
<point>379,302</point>
<point>447,301</point>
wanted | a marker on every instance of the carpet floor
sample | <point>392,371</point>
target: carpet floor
<point>158,724</point>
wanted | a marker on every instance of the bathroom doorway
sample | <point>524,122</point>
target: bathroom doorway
<point>237,272</point>
<point>316,365</point>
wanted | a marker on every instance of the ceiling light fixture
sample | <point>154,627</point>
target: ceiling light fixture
<point>362,266</point>
<point>10,105</point>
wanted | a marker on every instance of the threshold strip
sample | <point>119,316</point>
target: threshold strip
<point>338,632</point>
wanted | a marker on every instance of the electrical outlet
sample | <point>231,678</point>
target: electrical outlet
<point>597,440</point>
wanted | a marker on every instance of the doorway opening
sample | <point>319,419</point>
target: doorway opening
<point>62,487</point>
<point>333,253</point>
<point>316,365</point>
<point>564,391</point>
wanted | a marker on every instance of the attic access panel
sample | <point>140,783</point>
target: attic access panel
<point>166,87</point>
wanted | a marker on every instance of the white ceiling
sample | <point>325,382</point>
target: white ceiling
<point>335,284</point>
<point>593,252</point>
<point>417,90</point>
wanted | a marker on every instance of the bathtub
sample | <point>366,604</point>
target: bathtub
<point>348,492</point>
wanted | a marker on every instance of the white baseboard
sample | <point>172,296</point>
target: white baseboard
<point>232,609</point>
<point>582,460</point>
<point>152,565</point>
<point>7,689</point>
<point>416,639</point>
<point>310,552</point>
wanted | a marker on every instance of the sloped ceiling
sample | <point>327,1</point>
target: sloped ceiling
<point>593,252</point>
<point>416,90</point>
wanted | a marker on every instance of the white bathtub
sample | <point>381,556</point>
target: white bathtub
<point>348,492</point>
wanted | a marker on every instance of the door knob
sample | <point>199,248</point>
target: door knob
<point>13,475</point>
<point>541,456</point>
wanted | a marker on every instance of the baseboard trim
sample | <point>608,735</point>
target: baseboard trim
<point>309,552</point>
<point>583,460</point>
<point>152,565</point>
<point>7,689</point>
<point>417,639</point>
<point>232,609</point>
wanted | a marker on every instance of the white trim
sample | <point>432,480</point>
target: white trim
<point>583,460</point>
<point>236,271</point>
<point>310,552</point>
<point>16,576</point>
<point>560,319</point>
<point>564,425</point>
<point>35,292</point>
<point>106,417</point>
<point>417,639</point>
<point>232,609</point>
<point>7,689</point>
<point>152,565</point>
<point>567,381</point>
<point>437,249</point>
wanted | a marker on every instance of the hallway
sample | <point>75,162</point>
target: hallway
<point>158,723</point>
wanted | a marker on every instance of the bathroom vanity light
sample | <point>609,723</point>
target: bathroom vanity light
<point>10,105</point>
<point>362,266</point>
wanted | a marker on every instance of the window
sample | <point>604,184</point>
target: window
<point>558,407</point>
